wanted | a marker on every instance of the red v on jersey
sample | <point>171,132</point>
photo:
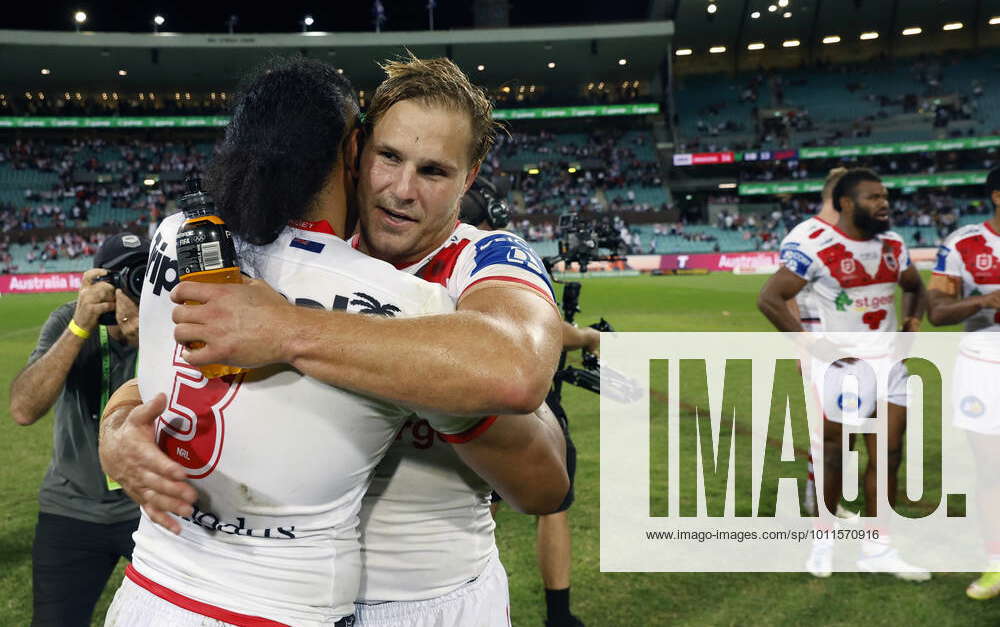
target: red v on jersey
<point>980,260</point>
<point>849,272</point>
<point>442,264</point>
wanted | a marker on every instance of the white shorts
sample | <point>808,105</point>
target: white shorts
<point>134,606</point>
<point>850,392</point>
<point>484,602</point>
<point>975,400</point>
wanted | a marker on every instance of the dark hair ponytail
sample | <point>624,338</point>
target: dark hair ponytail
<point>286,135</point>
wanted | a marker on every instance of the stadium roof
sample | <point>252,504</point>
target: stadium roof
<point>733,24</point>
<point>217,60</point>
<point>206,16</point>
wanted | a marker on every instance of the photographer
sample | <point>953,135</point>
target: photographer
<point>86,350</point>
<point>484,208</point>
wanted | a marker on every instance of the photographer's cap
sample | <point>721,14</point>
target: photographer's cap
<point>119,248</point>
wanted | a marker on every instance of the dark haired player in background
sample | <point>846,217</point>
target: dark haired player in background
<point>966,287</point>
<point>853,267</point>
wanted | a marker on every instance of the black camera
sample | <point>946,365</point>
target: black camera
<point>128,278</point>
<point>580,240</point>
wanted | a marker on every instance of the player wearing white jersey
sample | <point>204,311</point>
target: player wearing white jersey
<point>420,156</point>
<point>853,268</point>
<point>803,308</point>
<point>966,287</point>
<point>304,541</point>
<point>427,530</point>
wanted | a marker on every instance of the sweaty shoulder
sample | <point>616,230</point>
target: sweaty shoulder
<point>496,256</point>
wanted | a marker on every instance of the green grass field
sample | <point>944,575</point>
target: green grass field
<point>718,302</point>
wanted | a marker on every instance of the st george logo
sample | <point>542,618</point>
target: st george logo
<point>847,266</point>
<point>192,429</point>
<point>984,261</point>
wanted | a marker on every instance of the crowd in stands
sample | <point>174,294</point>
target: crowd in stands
<point>110,105</point>
<point>92,173</point>
<point>886,165</point>
<point>937,90</point>
<point>576,173</point>
<point>114,104</point>
<point>68,245</point>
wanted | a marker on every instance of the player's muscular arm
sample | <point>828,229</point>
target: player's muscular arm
<point>496,354</point>
<point>945,305</point>
<point>793,306</point>
<point>774,296</point>
<point>914,298</point>
<point>524,458</point>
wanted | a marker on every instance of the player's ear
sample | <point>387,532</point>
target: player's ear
<point>471,177</point>
<point>352,153</point>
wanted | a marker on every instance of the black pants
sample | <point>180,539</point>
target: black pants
<point>71,561</point>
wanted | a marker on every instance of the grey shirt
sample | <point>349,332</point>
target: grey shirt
<point>75,486</point>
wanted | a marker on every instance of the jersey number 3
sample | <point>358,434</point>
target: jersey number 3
<point>193,428</point>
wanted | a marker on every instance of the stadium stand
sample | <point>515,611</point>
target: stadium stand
<point>904,100</point>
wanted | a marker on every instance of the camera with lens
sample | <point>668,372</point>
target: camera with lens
<point>581,240</point>
<point>128,278</point>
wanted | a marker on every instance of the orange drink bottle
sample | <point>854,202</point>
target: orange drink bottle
<point>205,252</point>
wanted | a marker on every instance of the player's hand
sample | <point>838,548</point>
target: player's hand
<point>127,315</point>
<point>911,325</point>
<point>130,456</point>
<point>989,301</point>
<point>592,340</point>
<point>93,299</point>
<point>239,324</point>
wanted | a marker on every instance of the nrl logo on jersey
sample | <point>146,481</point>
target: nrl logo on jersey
<point>984,261</point>
<point>848,266</point>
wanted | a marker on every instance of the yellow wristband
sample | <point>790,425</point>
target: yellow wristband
<point>77,330</point>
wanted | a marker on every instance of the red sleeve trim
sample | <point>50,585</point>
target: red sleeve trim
<point>544,293</point>
<point>211,611</point>
<point>950,276</point>
<point>469,435</point>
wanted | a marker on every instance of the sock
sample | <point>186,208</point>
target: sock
<point>993,551</point>
<point>557,604</point>
<point>871,547</point>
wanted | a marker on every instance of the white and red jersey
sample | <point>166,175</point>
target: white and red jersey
<point>426,524</point>
<point>805,300</point>
<point>280,460</point>
<point>972,255</point>
<point>853,281</point>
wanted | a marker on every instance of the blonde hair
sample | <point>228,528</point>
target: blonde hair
<point>435,81</point>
